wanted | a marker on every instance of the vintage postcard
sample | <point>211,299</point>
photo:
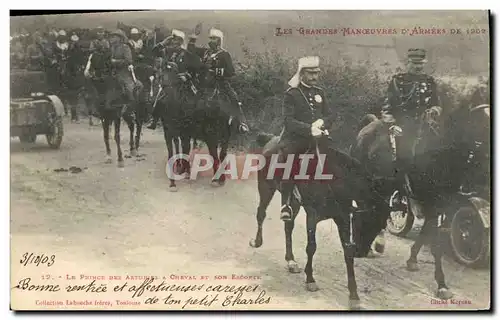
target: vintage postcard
<point>250,160</point>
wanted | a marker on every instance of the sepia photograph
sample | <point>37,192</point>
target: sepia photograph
<point>250,160</point>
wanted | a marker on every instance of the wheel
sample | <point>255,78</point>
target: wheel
<point>54,138</point>
<point>469,238</point>
<point>27,138</point>
<point>401,218</point>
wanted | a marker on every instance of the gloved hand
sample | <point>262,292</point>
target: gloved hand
<point>318,123</point>
<point>151,78</point>
<point>396,131</point>
<point>315,131</point>
<point>130,68</point>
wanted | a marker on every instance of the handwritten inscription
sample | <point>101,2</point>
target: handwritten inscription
<point>149,292</point>
<point>31,258</point>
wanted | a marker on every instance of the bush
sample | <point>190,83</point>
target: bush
<point>352,89</point>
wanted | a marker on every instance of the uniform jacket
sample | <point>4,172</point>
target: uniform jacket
<point>410,94</point>
<point>95,44</point>
<point>217,64</point>
<point>186,61</point>
<point>123,54</point>
<point>301,107</point>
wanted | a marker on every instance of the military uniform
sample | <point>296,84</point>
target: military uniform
<point>218,70</point>
<point>303,107</point>
<point>121,56</point>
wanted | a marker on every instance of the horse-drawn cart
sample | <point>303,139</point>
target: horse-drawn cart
<point>33,111</point>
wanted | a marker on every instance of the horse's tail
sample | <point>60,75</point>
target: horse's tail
<point>263,138</point>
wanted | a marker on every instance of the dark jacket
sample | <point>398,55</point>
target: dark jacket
<point>301,107</point>
<point>410,94</point>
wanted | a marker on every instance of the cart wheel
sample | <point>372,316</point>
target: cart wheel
<point>469,238</point>
<point>27,138</point>
<point>401,218</point>
<point>54,138</point>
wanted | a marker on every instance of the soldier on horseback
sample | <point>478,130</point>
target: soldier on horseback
<point>409,95</point>
<point>306,115</point>
<point>219,69</point>
<point>100,42</point>
<point>189,65</point>
<point>122,65</point>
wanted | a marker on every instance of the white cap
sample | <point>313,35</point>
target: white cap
<point>311,62</point>
<point>62,33</point>
<point>216,33</point>
<point>178,33</point>
<point>74,38</point>
<point>134,31</point>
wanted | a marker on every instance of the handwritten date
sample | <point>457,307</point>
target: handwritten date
<point>31,258</point>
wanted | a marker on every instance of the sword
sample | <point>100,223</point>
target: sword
<point>133,73</point>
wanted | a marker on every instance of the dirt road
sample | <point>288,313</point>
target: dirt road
<point>107,221</point>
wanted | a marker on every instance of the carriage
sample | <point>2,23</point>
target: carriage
<point>467,225</point>
<point>33,110</point>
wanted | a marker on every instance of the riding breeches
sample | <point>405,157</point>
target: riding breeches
<point>128,86</point>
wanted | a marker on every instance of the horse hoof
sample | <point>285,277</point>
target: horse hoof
<point>444,294</point>
<point>293,267</point>
<point>215,183</point>
<point>222,183</point>
<point>411,266</point>
<point>255,244</point>
<point>133,153</point>
<point>354,304</point>
<point>371,254</point>
<point>312,286</point>
<point>121,164</point>
<point>108,160</point>
<point>172,189</point>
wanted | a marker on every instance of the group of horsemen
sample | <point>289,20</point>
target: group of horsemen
<point>306,112</point>
<point>199,67</point>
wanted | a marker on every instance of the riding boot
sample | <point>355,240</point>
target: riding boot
<point>286,193</point>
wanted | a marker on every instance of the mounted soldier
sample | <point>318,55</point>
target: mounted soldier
<point>189,65</point>
<point>307,115</point>
<point>100,40</point>
<point>219,70</point>
<point>410,95</point>
<point>122,65</point>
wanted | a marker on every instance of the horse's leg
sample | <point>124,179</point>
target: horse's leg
<point>266,189</point>
<point>138,122</point>
<point>310,248</point>
<point>131,127</point>
<point>186,149</point>
<point>292,265</point>
<point>106,124</point>
<point>411,263</point>
<point>223,153</point>
<point>349,252</point>
<point>437,241</point>
<point>117,122</point>
<point>212,150</point>
<point>170,167</point>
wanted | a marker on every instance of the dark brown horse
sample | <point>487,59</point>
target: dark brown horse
<point>188,113</point>
<point>112,108</point>
<point>351,198</point>
<point>439,168</point>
